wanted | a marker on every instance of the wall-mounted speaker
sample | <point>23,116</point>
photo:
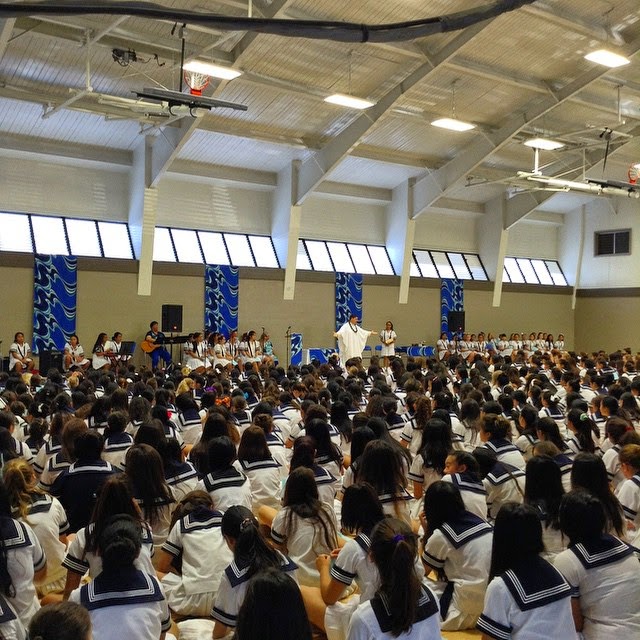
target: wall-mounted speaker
<point>171,318</point>
<point>456,321</point>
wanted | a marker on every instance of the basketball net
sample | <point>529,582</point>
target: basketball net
<point>196,82</point>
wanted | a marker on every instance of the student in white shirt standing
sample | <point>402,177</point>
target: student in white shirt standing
<point>388,339</point>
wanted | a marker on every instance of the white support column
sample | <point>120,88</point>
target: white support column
<point>143,209</point>
<point>400,234</point>
<point>492,242</point>
<point>285,225</point>
<point>583,217</point>
<point>502,252</point>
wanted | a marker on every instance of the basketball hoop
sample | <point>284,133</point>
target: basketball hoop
<point>196,82</point>
<point>634,173</point>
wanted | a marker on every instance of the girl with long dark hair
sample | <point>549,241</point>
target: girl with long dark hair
<point>428,466</point>
<point>583,432</point>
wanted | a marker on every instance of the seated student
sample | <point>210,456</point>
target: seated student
<point>462,470</point>
<point>502,482</point>
<point>526,597</point>
<point>74,357</point>
<point>494,433</point>
<point>361,511</point>
<point>402,607</point>
<point>226,485</point>
<point>272,609</point>
<point>59,621</point>
<point>304,455</point>
<point>180,475</point>
<point>20,359</point>
<point>123,601</point>
<point>116,440</point>
<point>527,438</point>
<point>22,562</point>
<point>100,358</point>
<point>305,526</point>
<point>601,569</point>
<point>251,555</point>
<point>77,486</point>
<point>615,429</point>
<point>628,492</point>
<point>457,546</point>
<point>564,462</point>
<point>188,420</point>
<point>190,583</point>
<point>428,466</point>
<point>82,555</point>
<point>583,431</point>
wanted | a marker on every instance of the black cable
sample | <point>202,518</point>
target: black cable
<point>313,29</point>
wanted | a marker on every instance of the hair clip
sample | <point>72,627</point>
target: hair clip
<point>245,523</point>
<point>583,417</point>
<point>398,537</point>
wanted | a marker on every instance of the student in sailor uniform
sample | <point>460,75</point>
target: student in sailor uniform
<point>22,562</point>
<point>341,421</point>
<point>197,355</point>
<point>162,414</point>
<point>443,346</point>
<point>457,545</point>
<point>601,569</point>
<point>395,423</point>
<point>273,609</point>
<point>388,339</point>
<point>7,422</point>
<point>527,597</point>
<point>403,607</point>
<point>224,483</point>
<point>122,592</point>
<point>82,555</point>
<point>251,555</point>
<point>139,412</point>
<point>551,409</point>
<point>117,442</point>
<point>63,455</point>
<point>543,491</point>
<point>180,475</point>
<point>527,421</point>
<point>59,621</point>
<point>428,466</point>
<point>44,514</point>
<point>144,470</point>
<point>190,583</point>
<point>275,443</point>
<point>564,462</point>
<point>37,438</point>
<point>361,511</point>
<point>384,469</point>
<point>305,526</point>
<point>328,454</point>
<point>462,470</point>
<point>494,431</point>
<point>628,492</point>
<point>616,428</point>
<point>503,482</point>
<point>239,411</point>
<point>304,455</point>
<point>188,420</point>
<point>77,486</point>
<point>257,463</point>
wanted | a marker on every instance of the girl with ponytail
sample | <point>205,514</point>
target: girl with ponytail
<point>583,430</point>
<point>251,555</point>
<point>123,602</point>
<point>403,607</point>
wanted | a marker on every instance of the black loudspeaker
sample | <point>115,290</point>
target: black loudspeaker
<point>171,318</point>
<point>50,360</point>
<point>456,321</point>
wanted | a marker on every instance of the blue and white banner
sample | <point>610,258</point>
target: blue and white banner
<point>221,298</point>
<point>296,349</point>
<point>451,299</point>
<point>55,287</point>
<point>348,297</point>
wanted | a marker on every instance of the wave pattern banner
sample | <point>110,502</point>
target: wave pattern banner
<point>348,297</point>
<point>221,298</point>
<point>296,349</point>
<point>451,299</point>
<point>55,288</point>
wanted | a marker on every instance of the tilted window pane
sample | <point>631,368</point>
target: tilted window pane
<point>542,272</point>
<point>381,261</point>
<point>186,244</point>
<point>528,271</point>
<point>15,234</point>
<point>213,248</point>
<point>162,247</point>
<point>442,264</point>
<point>341,258</point>
<point>319,256</point>
<point>512,269</point>
<point>263,251</point>
<point>115,240</point>
<point>459,266</point>
<point>556,273</point>
<point>83,238</point>
<point>361,259</point>
<point>49,236</point>
<point>425,263</point>
<point>239,251</point>
<point>477,270</point>
<point>302,259</point>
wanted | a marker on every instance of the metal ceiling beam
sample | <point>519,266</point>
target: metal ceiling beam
<point>314,170</point>
<point>6,29</point>
<point>438,183</point>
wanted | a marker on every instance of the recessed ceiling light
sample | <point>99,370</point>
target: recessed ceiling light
<point>607,58</point>
<point>544,143</point>
<point>213,70</point>
<point>453,124</point>
<point>349,101</point>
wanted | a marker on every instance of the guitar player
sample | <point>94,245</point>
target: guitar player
<point>156,350</point>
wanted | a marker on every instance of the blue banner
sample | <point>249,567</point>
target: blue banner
<point>221,298</point>
<point>348,297</point>
<point>451,299</point>
<point>296,349</point>
<point>55,287</point>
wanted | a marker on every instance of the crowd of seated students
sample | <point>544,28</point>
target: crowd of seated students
<point>501,493</point>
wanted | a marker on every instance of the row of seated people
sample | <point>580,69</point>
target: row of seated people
<point>465,492</point>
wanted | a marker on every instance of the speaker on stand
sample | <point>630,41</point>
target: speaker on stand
<point>171,318</point>
<point>50,360</point>
<point>455,320</point>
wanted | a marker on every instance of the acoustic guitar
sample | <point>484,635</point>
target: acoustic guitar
<point>148,347</point>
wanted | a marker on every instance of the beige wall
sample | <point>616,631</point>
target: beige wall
<point>607,323</point>
<point>107,301</point>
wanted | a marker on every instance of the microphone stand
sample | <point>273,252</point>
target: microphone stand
<point>287,335</point>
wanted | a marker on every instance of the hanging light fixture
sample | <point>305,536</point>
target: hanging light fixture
<point>453,124</point>
<point>346,99</point>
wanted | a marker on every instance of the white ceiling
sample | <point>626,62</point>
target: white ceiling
<point>501,70</point>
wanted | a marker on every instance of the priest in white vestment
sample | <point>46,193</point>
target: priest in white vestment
<point>351,339</point>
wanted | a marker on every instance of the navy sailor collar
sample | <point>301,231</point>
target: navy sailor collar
<point>466,528</point>
<point>122,588</point>
<point>535,584</point>
<point>500,446</point>
<point>238,571</point>
<point>598,553</point>
<point>427,607</point>
<point>466,482</point>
